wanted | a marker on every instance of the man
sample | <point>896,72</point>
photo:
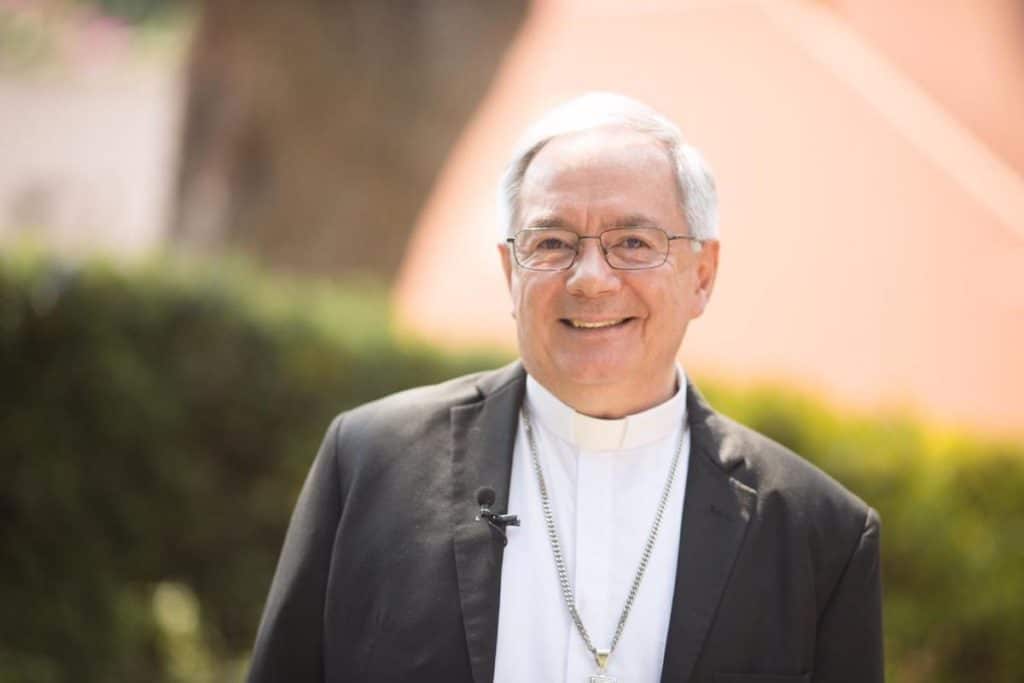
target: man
<point>659,541</point>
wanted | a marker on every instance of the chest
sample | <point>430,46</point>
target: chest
<point>604,510</point>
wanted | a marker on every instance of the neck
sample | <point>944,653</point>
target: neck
<point>613,401</point>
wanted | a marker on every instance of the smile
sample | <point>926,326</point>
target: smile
<point>594,324</point>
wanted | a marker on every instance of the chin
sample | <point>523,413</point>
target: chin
<point>579,371</point>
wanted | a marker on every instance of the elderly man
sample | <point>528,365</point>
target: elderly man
<point>659,541</point>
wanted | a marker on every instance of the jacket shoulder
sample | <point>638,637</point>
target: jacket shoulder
<point>782,478</point>
<point>799,501</point>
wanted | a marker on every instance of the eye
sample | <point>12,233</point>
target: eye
<point>634,243</point>
<point>550,243</point>
<point>630,242</point>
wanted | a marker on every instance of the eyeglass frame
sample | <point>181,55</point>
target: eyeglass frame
<point>604,251</point>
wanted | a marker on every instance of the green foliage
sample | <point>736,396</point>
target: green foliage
<point>135,11</point>
<point>156,427</point>
<point>156,424</point>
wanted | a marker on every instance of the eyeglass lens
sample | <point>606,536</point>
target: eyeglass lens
<point>624,248</point>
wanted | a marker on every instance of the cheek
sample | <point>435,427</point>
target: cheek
<point>672,306</point>
<point>532,297</point>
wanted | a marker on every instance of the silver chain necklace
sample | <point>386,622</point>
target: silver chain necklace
<point>600,655</point>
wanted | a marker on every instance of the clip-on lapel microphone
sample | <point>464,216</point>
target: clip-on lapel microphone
<point>485,499</point>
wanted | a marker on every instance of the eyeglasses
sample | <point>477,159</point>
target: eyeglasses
<point>623,248</point>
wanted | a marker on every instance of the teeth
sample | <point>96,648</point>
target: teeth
<point>591,326</point>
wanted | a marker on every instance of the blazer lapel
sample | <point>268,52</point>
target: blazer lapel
<point>716,511</point>
<point>483,438</point>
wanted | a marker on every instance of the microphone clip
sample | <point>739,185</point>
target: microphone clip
<point>497,521</point>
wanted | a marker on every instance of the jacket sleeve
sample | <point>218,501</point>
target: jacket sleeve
<point>289,644</point>
<point>849,641</point>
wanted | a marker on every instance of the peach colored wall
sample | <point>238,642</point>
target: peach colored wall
<point>873,248</point>
<point>969,54</point>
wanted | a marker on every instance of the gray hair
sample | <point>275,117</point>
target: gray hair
<point>600,109</point>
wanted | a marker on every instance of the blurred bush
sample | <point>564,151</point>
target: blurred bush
<point>157,422</point>
<point>136,11</point>
<point>156,426</point>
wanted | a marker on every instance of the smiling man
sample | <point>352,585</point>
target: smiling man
<point>659,541</point>
<point>601,288</point>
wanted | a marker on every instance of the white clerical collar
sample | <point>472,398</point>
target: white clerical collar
<point>595,434</point>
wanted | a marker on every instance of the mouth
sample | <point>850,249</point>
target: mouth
<point>578,324</point>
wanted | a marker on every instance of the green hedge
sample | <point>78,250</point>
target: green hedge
<point>157,422</point>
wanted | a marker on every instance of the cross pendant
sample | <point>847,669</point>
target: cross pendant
<point>601,657</point>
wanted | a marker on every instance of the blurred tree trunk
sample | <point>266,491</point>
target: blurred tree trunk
<point>314,129</point>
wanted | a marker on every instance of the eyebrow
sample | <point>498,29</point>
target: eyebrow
<point>631,220</point>
<point>550,221</point>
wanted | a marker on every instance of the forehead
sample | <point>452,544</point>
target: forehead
<point>600,176</point>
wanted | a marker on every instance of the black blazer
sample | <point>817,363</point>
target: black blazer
<point>386,576</point>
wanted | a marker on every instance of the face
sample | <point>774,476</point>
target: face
<point>605,340</point>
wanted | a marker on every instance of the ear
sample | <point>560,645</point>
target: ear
<point>707,269</point>
<point>506,263</point>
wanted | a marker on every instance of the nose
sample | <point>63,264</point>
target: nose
<point>591,276</point>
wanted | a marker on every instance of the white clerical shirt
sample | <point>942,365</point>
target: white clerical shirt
<point>604,479</point>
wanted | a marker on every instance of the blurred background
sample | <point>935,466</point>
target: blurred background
<point>222,222</point>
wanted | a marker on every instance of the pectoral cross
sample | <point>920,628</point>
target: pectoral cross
<point>601,657</point>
